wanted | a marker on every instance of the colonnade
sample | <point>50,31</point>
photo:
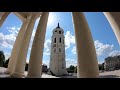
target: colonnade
<point>87,65</point>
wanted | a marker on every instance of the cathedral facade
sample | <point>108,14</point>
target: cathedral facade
<point>57,57</point>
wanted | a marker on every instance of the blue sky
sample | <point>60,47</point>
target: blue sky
<point>105,41</point>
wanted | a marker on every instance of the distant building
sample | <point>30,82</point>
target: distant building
<point>112,63</point>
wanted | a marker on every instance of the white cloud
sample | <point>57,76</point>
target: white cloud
<point>69,39</point>
<point>13,30</point>
<point>27,61</point>
<point>102,48</point>
<point>71,62</point>
<point>114,53</point>
<point>36,23</point>
<point>7,40</point>
<point>37,20</point>
<point>74,50</point>
<point>47,47</point>
<point>5,45</point>
<point>100,61</point>
<point>7,55</point>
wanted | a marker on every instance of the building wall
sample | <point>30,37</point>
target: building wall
<point>112,63</point>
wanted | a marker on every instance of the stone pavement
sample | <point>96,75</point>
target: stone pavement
<point>110,74</point>
<point>3,75</point>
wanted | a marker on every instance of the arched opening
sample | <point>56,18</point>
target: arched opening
<point>101,38</point>
<point>55,40</point>
<point>60,50</point>
<point>8,33</point>
<point>104,38</point>
<point>59,32</point>
<point>60,40</point>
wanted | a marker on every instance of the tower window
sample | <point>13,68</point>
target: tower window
<point>54,45</point>
<point>59,49</point>
<point>54,50</point>
<point>60,40</point>
<point>55,40</point>
<point>59,32</point>
<point>63,41</point>
<point>62,65</point>
<point>56,31</point>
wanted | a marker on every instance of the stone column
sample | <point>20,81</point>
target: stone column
<point>35,63</point>
<point>114,20</point>
<point>21,59</point>
<point>87,65</point>
<point>4,16</point>
<point>16,48</point>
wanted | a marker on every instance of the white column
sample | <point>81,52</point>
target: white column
<point>16,48</point>
<point>4,16</point>
<point>114,20</point>
<point>87,65</point>
<point>21,59</point>
<point>35,63</point>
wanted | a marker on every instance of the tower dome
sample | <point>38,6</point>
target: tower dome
<point>58,30</point>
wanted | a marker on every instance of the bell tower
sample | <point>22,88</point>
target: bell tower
<point>57,57</point>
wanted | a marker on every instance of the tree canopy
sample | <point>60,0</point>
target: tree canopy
<point>2,58</point>
<point>72,69</point>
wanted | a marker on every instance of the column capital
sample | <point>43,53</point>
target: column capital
<point>114,20</point>
<point>3,17</point>
<point>34,15</point>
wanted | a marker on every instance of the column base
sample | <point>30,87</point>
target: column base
<point>18,75</point>
<point>87,75</point>
<point>30,76</point>
<point>7,72</point>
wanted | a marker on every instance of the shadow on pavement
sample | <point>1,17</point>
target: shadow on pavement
<point>109,76</point>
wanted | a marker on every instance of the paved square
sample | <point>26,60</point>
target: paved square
<point>110,74</point>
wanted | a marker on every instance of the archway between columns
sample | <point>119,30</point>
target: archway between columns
<point>113,19</point>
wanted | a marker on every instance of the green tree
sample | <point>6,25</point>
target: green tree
<point>102,67</point>
<point>71,69</point>
<point>2,58</point>
<point>75,70</point>
<point>6,63</point>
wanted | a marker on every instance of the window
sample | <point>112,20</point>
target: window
<point>54,45</point>
<point>63,65</point>
<point>55,40</point>
<point>59,49</point>
<point>56,31</point>
<point>54,50</point>
<point>59,32</point>
<point>63,41</point>
<point>60,40</point>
